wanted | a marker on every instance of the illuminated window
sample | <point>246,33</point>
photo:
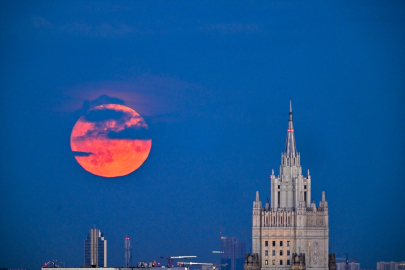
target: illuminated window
<point>281,243</point>
<point>266,262</point>
<point>274,262</point>
<point>266,253</point>
<point>281,262</point>
<point>288,252</point>
<point>281,253</point>
<point>266,243</point>
<point>274,243</point>
<point>288,243</point>
<point>288,262</point>
<point>274,253</point>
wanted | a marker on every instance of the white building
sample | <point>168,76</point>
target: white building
<point>351,266</point>
<point>289,223</point>
<point>95,249</point>
<point>391,265</point>
<point>119,268</point>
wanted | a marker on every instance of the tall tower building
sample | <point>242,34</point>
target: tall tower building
<point>233,253</point>
<point>95,249</point>
<point>127,251</point>
<point>290,231</point>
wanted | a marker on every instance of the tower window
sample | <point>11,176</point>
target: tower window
<point>266,243</point>
<point>288,244</point>
<point>281,253</point>
<point>288,253</point>
<point>266,253</point>
<point>281,243</point>
<point>305,187</point>
<point>288,262</point>
<point>278,186</point>
<point>281,262</point>
<point>266,262</point>
<point>274,243</point>
<point>278,199</point>
<point>274,253</point>
<point>305,196</point>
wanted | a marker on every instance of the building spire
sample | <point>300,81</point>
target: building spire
<point>290,148</point>
<point>290,106</point>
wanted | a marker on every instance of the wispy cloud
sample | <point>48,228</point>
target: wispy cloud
<point>103,30</point>
<point>114,30</point>
<point>39,21</point>
<point>93,30</point>
<point>231,28</point>
<point>102,7</point>
<point>159,97</point>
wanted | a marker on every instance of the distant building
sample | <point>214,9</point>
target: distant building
<point>117,268</point>
<point>391,266</point>
<point>95,249</point>
<point>351,266</point>
<point>233,253</point>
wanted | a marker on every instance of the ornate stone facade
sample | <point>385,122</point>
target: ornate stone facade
<point>290,223</point>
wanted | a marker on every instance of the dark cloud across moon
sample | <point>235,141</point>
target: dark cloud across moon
<point>111,140</point>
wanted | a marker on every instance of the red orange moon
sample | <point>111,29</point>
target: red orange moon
<point>111,139</point>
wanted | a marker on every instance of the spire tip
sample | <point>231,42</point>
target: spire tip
<point>290,106</point>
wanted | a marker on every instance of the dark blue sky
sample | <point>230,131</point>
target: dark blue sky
<point>213,81</point>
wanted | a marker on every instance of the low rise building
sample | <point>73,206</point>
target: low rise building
<point>351,266</point>
<point>391,265</point>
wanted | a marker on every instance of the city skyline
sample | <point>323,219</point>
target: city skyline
<point>212,81</point>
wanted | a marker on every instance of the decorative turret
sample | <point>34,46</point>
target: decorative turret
<point>267,206</point>
<point>332,261</point>
<point>257,204</point>
<point>298,261</point>
<point>323,203</point>
<point>313,205</point>
<point>290,148</point>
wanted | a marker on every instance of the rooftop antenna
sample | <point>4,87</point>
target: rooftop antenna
<point>128,255</point>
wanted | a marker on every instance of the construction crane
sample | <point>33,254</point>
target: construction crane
<point>213,265</point>
<point>347,261</point>
<point>171,259</point>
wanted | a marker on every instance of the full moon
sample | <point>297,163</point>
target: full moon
<point>110,140</point>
